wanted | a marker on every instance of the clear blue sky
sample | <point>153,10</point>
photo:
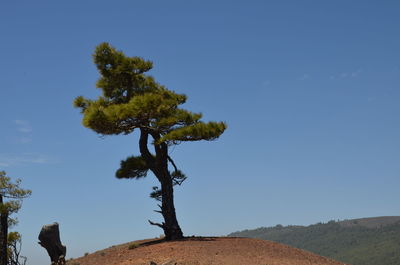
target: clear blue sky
<point>310,91</point>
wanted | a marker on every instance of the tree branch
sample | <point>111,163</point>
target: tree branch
<point>144,151</point>
<point>173,163</point>
<point>159,211</point>
<point>157,224</point>
<point>161,149</point>
<point>16,197</point>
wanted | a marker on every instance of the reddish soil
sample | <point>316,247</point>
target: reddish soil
<point>203,251</point>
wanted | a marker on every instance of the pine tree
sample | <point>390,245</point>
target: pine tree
<point>14,194</point>
<point>14,249</point>
<point>133,101</point>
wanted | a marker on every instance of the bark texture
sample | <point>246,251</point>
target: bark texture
<point>49,238</point>
<point>171,227</point>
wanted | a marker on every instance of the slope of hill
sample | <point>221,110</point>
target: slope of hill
<point>203,251</point>
<point>367,241</point>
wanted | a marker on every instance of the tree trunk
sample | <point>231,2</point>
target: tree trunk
<point>49,238</point>
<point>159,167</point>
<point>171,227</point>
<point>3,235</point>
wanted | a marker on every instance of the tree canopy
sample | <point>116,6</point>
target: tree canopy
<point>11,196</point>
<point>133,100</point>
<point>13,192</point>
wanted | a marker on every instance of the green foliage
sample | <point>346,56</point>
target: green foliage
<point>121,74</point>
<point>156,193</point>
<point>195,132</point>
<point>14,242</point>
<point>133,100</point>
<point>8,189</point>
<point>14,193</point>
<point>10,244</point>
<point>132,167</point>
<point>356,245</point>
<point>13,237</point>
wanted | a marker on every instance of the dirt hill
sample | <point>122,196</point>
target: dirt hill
<point>203,251</point>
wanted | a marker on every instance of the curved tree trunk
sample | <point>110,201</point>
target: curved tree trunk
<point>159,167</point>
<point>3,235</point>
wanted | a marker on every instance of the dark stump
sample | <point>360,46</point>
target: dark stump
<point>49,238</point>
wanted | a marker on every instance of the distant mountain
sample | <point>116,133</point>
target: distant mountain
<point>366,241</point>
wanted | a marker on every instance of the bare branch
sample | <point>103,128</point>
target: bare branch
<point>173,163</point>
<point>157,224</point>
<point>143,147</point>
<point>160,149</point>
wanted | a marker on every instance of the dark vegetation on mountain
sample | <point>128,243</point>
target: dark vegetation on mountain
<point>367,241</point>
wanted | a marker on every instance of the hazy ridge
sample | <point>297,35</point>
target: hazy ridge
<point>365,241</point>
